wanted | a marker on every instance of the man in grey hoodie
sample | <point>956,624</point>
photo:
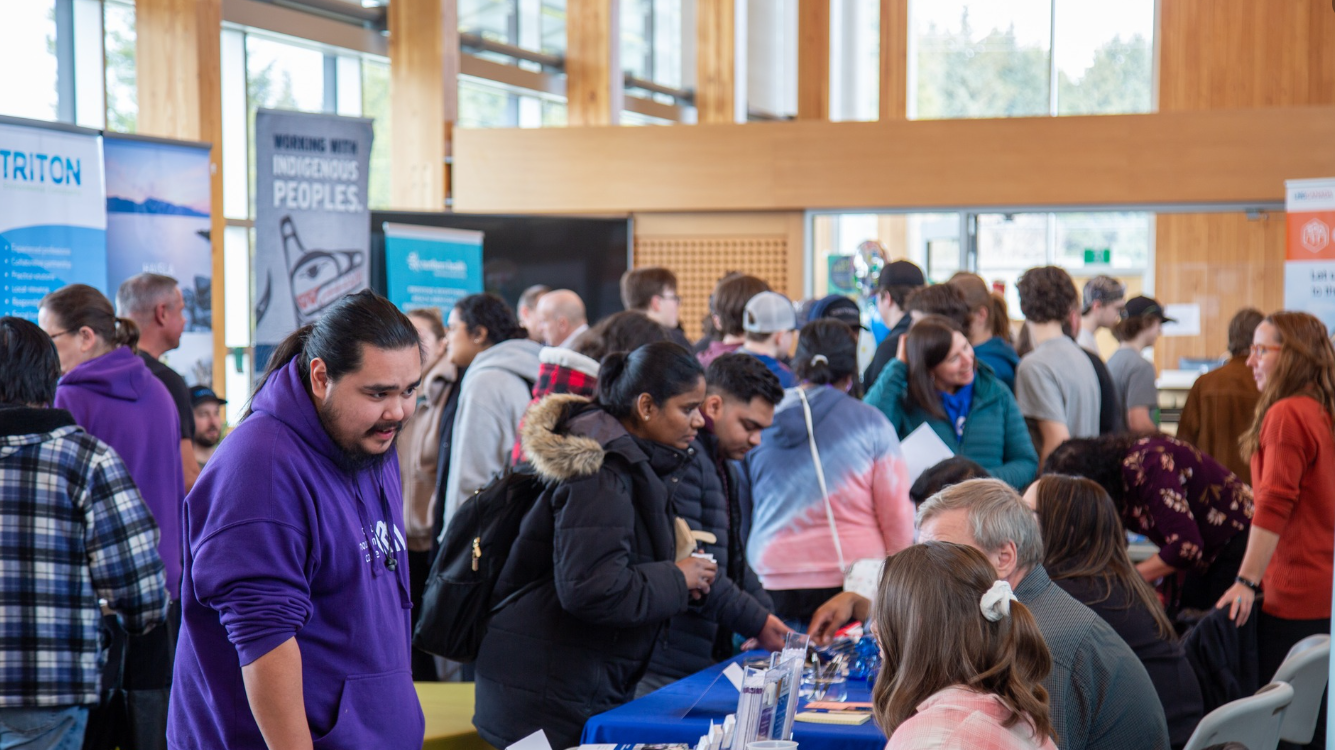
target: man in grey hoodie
<point>502,366</point>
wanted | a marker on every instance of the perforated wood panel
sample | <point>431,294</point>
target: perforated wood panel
<point>699,262</point>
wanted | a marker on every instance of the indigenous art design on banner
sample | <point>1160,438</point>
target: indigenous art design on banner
<point>431,266</point>
<point>53,219</point>
<point>158,221</point>
<point>1309,270</point>
<point>312,225</point>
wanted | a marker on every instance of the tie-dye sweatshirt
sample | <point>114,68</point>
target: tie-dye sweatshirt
<point>790,545</point>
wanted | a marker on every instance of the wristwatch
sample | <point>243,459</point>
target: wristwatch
<point>1253,585</point>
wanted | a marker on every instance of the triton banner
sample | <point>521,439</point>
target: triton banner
<point>312,225</point>
<point>53,215</point>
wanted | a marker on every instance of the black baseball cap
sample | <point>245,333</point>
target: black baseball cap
<point>202,394</point>
<point>901,273</point>
<point>1146,307</point>
<point>836,307</point>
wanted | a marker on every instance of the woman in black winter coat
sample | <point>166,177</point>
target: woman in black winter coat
<point>593,577</point>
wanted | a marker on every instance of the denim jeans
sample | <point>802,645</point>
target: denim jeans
<point>42,728</point>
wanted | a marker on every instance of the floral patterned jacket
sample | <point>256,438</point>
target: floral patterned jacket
<point>1183,500</point>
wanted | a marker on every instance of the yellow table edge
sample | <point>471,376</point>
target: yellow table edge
<point>448,708</point>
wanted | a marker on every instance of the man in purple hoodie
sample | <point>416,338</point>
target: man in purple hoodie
<point>295,590</point>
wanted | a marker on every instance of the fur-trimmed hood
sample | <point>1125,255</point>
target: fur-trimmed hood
<point>557,452</point>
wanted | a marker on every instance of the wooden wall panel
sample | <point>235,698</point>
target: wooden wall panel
<point>1245,53</point>
<point>424,101</point>
<point>1222,262</point>
<point>716,61</point>
<point>894,53</point>
<point>701,248</point>
<point>179,79</point>
<point>594,79</point>
<point>813,59</point>
<point>1186,157</point>
<point>1225,54</point>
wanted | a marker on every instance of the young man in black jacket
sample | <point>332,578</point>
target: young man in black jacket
<point>739,403</point>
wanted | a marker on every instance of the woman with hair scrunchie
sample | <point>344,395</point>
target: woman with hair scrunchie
<point>964,660</point>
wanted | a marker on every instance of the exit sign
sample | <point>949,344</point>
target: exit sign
<point>1098,256</point>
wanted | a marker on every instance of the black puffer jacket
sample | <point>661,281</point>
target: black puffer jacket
<point>737,602</point>
<point>592,576</point>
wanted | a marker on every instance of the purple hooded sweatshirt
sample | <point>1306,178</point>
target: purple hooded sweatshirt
<point>281,542</point>
<point>118,401</point>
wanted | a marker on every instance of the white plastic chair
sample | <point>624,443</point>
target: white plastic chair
<point>1254,721</point>
<point>1306,668</point>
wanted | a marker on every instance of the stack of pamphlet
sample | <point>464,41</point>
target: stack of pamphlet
<point>768,703</point>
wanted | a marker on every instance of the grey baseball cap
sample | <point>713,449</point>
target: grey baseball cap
<point>1102,289</point>
<point>769,312</point>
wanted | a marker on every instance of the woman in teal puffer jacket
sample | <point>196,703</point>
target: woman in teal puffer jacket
<point>972,411</point>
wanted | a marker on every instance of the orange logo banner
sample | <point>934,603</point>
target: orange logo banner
<point>1311,235</point>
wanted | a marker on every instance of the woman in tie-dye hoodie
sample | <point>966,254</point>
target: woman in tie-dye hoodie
<point>790,545</point>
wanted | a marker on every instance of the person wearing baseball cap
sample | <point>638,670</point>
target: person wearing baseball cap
<point>1133,375</point>
<point>896,282</point>
<point>208,422</point>
<point>770,321</point>
<point>836,307</point>
<point>1103,300</point>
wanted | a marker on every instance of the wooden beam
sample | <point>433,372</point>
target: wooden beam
<point>424,81</point>
<point>179,79</point>
<point>593,62</point>
<point>813,59</point>
<point>1239,155</point>
<point>716,61</point>
<point>894,59</point>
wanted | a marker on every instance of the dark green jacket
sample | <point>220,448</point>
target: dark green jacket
<point>995,435</point>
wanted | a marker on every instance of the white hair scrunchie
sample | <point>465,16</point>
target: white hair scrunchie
<point>996,601</point>
<point>819,359</point>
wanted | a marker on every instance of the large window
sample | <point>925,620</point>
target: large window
<point>69,61</point>
<point>855,59</point>
<point>122,96</point>
<point>771,59</point>
<point>538,25</point>
<point>1085,244</point>
<point>28,57</point>
<point>1018,58</point>
<point>997,246</point>
<point>657,41</point>
<point>489,104</point>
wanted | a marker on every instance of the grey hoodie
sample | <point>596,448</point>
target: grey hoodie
<point>496,389</point>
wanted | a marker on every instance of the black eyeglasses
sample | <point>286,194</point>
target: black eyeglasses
<point>55,336</point>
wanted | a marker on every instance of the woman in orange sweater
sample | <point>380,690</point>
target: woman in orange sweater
<point>1291,445</point>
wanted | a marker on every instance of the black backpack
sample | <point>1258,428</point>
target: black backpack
<point>460,591</point>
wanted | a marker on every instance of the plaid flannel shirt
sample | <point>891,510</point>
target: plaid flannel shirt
<point>73,528</point>
<point>554,377</point>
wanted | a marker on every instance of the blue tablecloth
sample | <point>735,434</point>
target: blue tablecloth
<point>681,712</point>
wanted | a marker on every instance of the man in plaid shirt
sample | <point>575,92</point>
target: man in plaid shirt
<point>75,529</point>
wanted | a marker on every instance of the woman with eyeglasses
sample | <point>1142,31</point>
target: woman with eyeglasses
<point>1291,445</point>
<point>115,397</point>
